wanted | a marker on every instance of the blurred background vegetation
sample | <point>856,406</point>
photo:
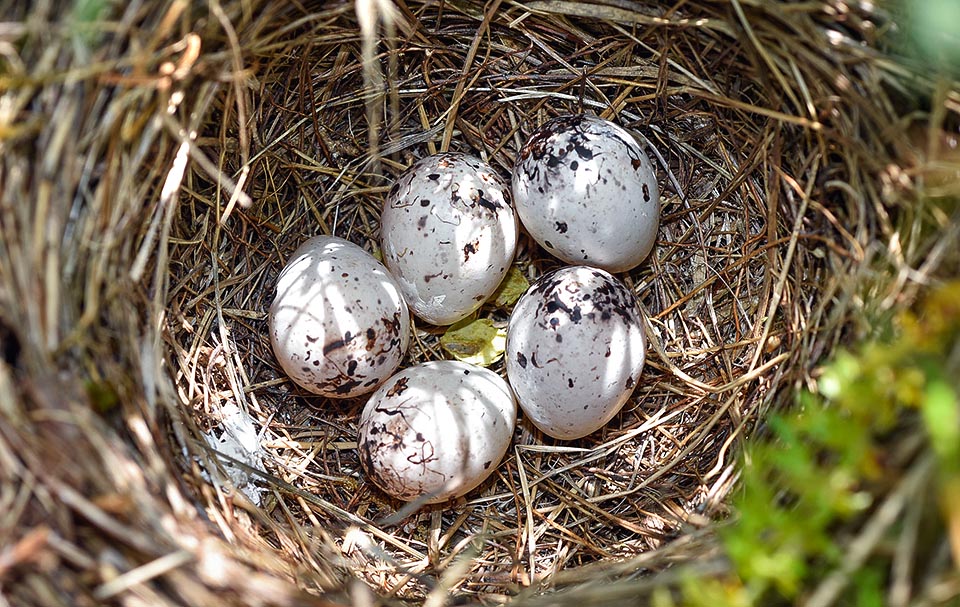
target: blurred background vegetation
<point>853,497</point>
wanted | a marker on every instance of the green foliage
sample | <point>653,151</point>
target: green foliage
<point>86,15</point>
<point>103,396</point>
<point>826,463</point>
<point>933,30</point>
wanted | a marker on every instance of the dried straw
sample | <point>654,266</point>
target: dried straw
<point>159,161</point>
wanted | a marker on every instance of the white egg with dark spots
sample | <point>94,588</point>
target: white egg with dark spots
<point>436,430</point>
<point>575,350</point>
<point>338,325</point>
<point>448,233</point>
<point>586,191</point>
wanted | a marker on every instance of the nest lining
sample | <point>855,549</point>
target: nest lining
<point>770,150</point>
<point>717,357</point>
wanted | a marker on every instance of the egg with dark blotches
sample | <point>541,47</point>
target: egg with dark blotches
<point>338,325</point>
<point>587,193</point>
<point>575,350</point>
<point>436,430</point>
<point>448,234</point>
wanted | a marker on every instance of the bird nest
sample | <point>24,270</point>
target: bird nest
<point>161,162</point>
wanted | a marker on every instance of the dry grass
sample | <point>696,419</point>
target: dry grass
<point>159,164</point>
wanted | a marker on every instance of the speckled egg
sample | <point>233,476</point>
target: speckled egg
<point>436,430</point>
<point>586,191</point>
<point>338,325</point>
<point>575,350</point>
<point>448,233</point>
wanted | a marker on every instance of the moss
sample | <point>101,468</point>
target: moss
<point>827,466</point>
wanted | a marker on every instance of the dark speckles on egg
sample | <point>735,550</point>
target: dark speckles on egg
<point>578,167</point>
<point>322,270</point>
<point>441,436</point>
<point>398,387</point>
<point>469,249</point>
<point>488,204</point>
<point>444,261</point>
<point>583,332</point>
<point>561,226</point>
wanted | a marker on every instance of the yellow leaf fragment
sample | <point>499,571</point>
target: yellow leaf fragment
<point>476,341</point>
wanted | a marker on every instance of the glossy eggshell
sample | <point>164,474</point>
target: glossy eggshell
<point>585,191</point>
<point>436,430</point>
<point>448,234</point>
<point>575,350</point>
<point>338,325</point>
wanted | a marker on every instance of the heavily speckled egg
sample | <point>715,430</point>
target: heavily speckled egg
<point>436,430</point>
<point>449,234</point>
<point>575,350</point>
<point>338,325</point>
<point>586,191</point>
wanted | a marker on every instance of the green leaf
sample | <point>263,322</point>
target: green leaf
<point>513,285</point>
<point>87,17</point>
<point>475,341</point>
<point>102,396</point>
<point>932,27</point>
<point>942,418</point>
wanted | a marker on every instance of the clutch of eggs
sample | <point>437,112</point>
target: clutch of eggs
<point>585,191</point>
<point>575,350</point>
<point>436,430</point>
<point>338,325</point>
<point>448,234</point>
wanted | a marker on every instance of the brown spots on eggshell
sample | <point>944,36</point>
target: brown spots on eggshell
<point>574,169</point>
<point>441,435</point>
<point>398,387</point>
<point>357,353</point>
<point>571,386</point>
<point>442,253</point>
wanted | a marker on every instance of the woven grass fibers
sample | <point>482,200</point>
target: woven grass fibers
<point>160,160</point>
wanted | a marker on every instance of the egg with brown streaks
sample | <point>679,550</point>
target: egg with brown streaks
<point>575,350</point>
<point>338,326</point>
<point>585,191</point>
<point>436,430</point>
<point>448,234</point>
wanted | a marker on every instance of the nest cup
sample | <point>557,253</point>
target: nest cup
<point>183,152</point>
